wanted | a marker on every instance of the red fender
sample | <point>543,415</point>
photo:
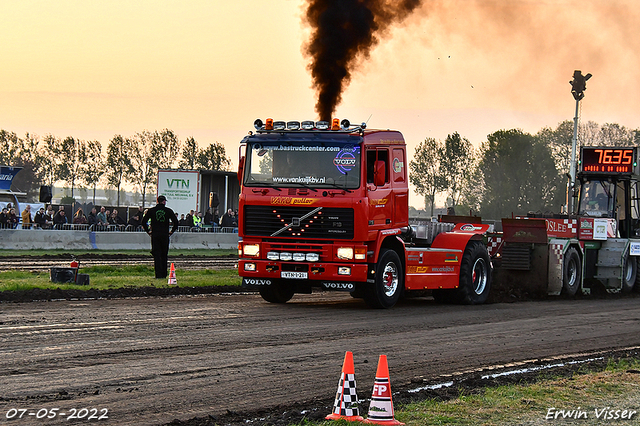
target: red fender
<point>460,235</point>
<point>383,235</point>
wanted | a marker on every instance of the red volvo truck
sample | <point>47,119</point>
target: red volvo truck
<point>325,205</point>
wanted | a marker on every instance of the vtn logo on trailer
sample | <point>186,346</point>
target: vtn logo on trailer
<point>180,183</point>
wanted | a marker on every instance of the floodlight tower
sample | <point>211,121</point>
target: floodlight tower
<point>578,86</point>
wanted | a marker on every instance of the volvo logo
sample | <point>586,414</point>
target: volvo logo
<point>295,222</point>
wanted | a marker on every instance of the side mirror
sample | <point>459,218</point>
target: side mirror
<point>240,170</point>
<point>379,173</point>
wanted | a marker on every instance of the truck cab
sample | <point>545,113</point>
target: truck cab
<point>608,187</point>
<point>609,208</point>
<point>326,205</point>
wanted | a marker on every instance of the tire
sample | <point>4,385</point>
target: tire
<point>358,293</point>
<point>277,293</point>
<point>475,275</point>
<point>629,273</point>
<point>571,273</point>
<point>389,281</point>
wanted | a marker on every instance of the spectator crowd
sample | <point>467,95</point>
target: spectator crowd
<point>110,220</point>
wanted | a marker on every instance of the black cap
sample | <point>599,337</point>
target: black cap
<point>161,198</point>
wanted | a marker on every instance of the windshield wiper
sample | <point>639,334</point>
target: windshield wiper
<point>335,185</point>
<point>257,184</point>
<point>307,187</point>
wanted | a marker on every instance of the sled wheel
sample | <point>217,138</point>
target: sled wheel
<point>388,281</point>
<point>571,273</point>
<point>277,293</point>
<point>475,275</point>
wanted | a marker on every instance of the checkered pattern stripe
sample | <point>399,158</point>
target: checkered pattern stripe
<point>493,243</point>
<point>556,252</point>
<point>346,403</point>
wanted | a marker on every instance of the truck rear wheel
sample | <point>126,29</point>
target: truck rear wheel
<point>277,292</point>
<point>475,275</point>
<point>571,272</point>
<point>389,281</point>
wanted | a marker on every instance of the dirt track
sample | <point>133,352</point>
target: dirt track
<point>152,360</point>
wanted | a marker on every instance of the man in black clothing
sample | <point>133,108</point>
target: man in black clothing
<point>160,217</point>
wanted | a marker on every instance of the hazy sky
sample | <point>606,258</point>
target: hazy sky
<point>207,69</point>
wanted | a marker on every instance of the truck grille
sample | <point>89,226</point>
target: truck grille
<point>325,223</point>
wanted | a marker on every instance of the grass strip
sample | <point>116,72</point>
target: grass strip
<point>104,277</point>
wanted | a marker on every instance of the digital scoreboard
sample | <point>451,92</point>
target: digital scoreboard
<point>608,160</point>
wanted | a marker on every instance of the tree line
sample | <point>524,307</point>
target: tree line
<point>512,172</point>
<point>134,160</point>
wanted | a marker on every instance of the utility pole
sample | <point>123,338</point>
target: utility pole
<point>578,86</point>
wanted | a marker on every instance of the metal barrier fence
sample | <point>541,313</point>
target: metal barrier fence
<point>120,228</point>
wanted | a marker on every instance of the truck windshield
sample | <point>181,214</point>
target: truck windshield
<point>596,198</point>
<point>287,165</point>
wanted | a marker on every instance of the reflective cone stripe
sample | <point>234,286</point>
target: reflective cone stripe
<point>172,275</point>
<point>381,407</point>
<point>346,404</point>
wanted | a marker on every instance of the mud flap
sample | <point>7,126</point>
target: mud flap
<point>522,270</point>
<point>522,283</point>
<point>557,248</point>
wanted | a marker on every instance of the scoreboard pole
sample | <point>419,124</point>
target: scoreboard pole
<point>574,143</point>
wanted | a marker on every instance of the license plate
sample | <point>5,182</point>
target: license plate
<point>293,275</point>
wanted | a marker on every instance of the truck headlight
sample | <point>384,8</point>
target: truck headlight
<point>251,250</point>
<point>345,253</point>
<point>312,257</point>
<point>286,256</point>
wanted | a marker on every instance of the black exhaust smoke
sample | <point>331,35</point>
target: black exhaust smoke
<point>344,32</point>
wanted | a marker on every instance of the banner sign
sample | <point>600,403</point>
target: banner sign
<point>182,189</point>
<point>7,174</point>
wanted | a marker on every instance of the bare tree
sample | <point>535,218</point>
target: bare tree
<point>165,149</point>
<point>214,157</point>
<point>47,159</point>
<point>71,154</point>
<point>190,152</point>
<point>118,162</point>
<point>144,169</point>
<point>93,168</point>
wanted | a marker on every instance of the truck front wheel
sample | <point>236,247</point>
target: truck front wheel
<point>277,292</point>
<point>475,275</point>
<point>389,281</point>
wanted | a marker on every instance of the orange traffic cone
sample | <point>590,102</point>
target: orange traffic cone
<point>172,276</point>
<point>381,407</point>
<point>346,404</point>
